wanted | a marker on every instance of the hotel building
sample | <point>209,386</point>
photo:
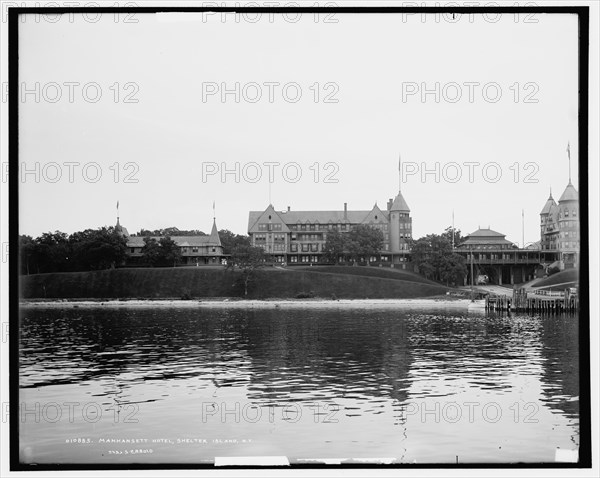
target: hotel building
<point>559,229</point>
<point>195,250</point>
<point>299,237</point>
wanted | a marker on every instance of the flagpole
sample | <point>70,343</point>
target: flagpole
<point>569,156</point>
<point>399,173</point>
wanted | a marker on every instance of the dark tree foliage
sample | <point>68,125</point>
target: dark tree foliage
<point>95,249</point>
<point>435,259</point>
<point>362,241</point>
<point>161,253</point>
<point>231,241</point>
<point>334,246</point>
<point>92,249</point>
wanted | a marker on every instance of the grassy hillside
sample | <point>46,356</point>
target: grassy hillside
<point>371,271</point>
<point>197,282</point>
<point>569,275</point>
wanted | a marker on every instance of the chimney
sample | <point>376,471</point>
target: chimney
<point>288,209</point>
<point>345,211</point>
<point>389,204</point>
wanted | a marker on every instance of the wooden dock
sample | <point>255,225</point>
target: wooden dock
<point>550,302</point>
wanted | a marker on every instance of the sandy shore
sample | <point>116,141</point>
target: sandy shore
<point>460,304</point>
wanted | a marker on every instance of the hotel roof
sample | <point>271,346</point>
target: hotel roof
<point>570,194</point>
<point>315,217</point>
<point>400,204</point>
<point>485,236</point>
<point>182,241</point>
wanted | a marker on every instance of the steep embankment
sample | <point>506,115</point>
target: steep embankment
<point>381,272</point>
<point>567,278</point>
<point>197,282</point>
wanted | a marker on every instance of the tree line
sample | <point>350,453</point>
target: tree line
<point>92,249</point>
<point>105,248</point>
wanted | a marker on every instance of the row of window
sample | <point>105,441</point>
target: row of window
<point>269,227</point>
<point>319,227</point>
<point>184,250</point>
<point>564,224</point>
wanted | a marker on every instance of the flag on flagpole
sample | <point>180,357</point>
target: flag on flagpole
<point>117,204</point>
<point>569,149</point>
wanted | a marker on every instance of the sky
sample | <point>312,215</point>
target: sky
<point>134,113</point>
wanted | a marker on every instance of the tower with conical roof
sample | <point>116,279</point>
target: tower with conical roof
<point>547,226</point>
<point>120,229</point>
<point>559,226</point>
<point>214,241</point>
<point>568,225</point>
<point>400,221</point>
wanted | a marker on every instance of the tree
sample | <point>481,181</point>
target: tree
<point>457,236</point>
<point>364,241</point>
<point>435,259</point>
<point>150,251</point>
<point>231,241</point>
<point>170,254</point>
<point>334,246</point>
<point>27,254</point>
<point>248,259</point>
<point>52,251</point>
<point>95,249</point>
<point>453,269</point>
<point>164,252</point>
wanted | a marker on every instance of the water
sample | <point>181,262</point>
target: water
<point>189,385</point>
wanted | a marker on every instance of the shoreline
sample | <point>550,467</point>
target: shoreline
<point>457,304</point>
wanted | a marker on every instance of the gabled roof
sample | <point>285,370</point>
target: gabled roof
<point>257,217</point>
<point>375,215</point>
<point>313,217</point>
<point>181,241</point>
<point>570,194</point>
<point>400,204</point>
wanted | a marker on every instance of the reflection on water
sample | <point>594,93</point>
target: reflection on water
<point>189,385</point>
